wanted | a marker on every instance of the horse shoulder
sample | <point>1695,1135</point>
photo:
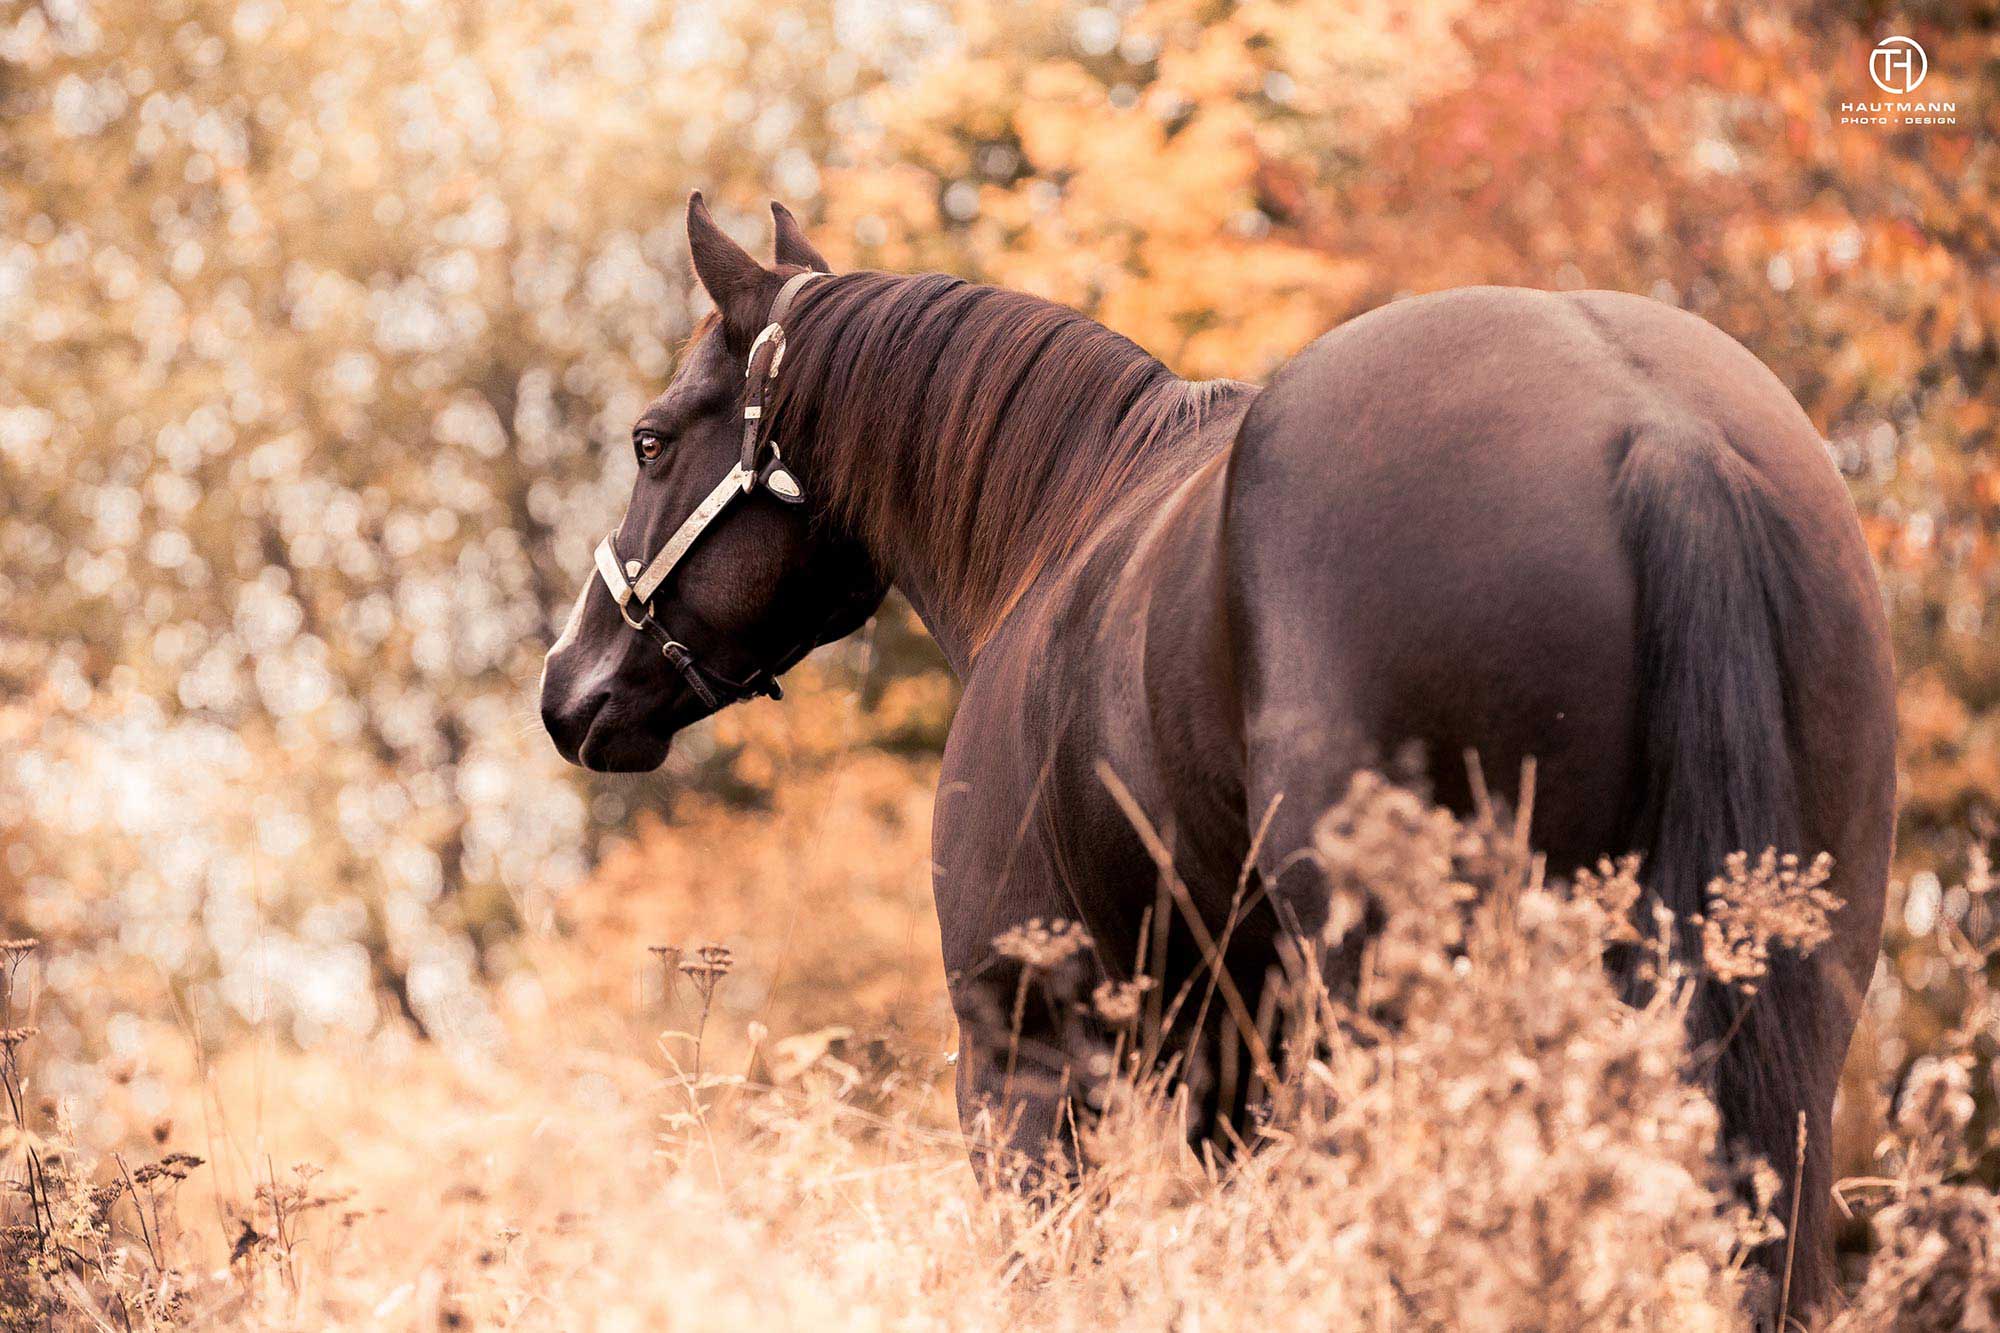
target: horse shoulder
<point>1023,825</point>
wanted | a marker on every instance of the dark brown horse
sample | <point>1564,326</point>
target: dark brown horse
<point>1582,527</point>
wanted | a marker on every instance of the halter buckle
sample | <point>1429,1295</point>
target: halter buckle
<point>775,335</point>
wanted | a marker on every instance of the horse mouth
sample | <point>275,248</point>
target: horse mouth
<point>615,746</point>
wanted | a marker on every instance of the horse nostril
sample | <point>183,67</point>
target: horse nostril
<point>568,722</point>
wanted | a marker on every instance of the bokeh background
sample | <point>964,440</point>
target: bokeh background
<point>322,325</point>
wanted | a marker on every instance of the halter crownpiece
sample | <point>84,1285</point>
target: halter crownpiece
<point>632,584</point>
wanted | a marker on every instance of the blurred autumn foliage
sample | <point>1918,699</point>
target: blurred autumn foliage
<point>319,319</point>
<point>325,322</point>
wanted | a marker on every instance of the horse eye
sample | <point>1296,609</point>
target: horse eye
<point>648,444</point>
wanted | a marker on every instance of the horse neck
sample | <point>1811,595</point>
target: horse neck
<point>1000,433</point>
<point>1048,523</point>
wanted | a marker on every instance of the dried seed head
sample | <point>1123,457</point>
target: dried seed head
<point>1117,1002</point>
<point>1764,1185</point>
<point>1934,1263</point>
<point>1614,887</point>
<point>1752,909</point>
<point>12,1037</point>
<point>1937,1099</point>
<point>13,951</point>
<point>174,1166</point>
<point>711,962</point>
<point>102,1199</point>
<point>1041,944</point>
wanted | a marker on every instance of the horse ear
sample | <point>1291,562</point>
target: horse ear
<point>792,245</point>
<point>737,283</point>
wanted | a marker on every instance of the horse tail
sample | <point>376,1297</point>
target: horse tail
<point>1716,612</point>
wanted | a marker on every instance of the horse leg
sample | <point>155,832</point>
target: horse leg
<point>1028,1060</point>
<point>1224,1042</point>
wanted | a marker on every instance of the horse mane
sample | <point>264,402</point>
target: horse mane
<point>981,429</point>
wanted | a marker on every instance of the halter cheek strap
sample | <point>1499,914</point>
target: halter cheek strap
<point>633,584</point>
<point>646,582</point>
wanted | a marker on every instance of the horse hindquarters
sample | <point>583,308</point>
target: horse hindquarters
<point>1636,609</point>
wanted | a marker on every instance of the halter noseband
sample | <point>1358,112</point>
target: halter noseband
<point>632,584</point>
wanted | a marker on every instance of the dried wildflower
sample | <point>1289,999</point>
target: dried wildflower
<point>1615,889</point>
<point>1117,1002</point>
<point>101,1201</point>
<point>710,960</point>
<point>12,952</point>
<point>1937,1099</point>
<point>668,956</point>
<point>1385,849</point>
<point>1752,909</point>
<point>1040,944</point>
<point>12,1037</point>
<point>1764,1184</point>
<point>710,964</point>
<point>1384,834</point>
<point>1937,1265</point>
<point>174,1166</point>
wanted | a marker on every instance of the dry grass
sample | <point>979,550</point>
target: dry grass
<point>1487,1139</point>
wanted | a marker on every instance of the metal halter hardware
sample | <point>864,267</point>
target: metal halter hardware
<point>632,584</point>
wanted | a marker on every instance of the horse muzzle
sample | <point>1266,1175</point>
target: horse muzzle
<point>598,731</point>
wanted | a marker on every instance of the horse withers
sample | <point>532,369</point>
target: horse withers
<point>1581,527</point>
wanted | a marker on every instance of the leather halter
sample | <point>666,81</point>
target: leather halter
<point>632,583</point>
